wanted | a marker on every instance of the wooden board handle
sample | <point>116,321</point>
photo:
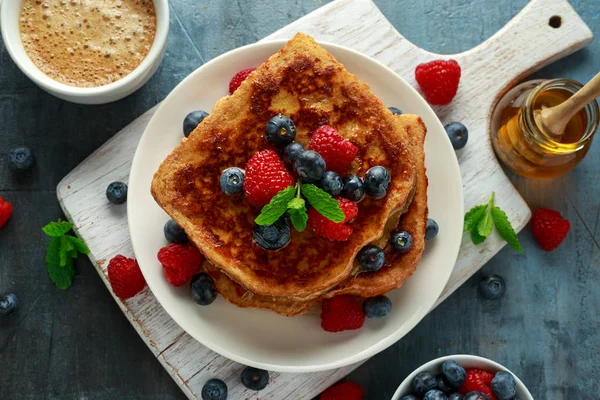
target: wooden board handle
<point>543,32</point>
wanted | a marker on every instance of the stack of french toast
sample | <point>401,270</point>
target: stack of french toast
<point>306,83</point>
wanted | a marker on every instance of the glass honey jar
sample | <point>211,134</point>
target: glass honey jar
<point>526,149</point>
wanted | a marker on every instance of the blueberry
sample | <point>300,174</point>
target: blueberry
<point>192,120</point>
<point>290,153</point>
<point>310,166</point>
<point>395,110</point>
<point>331,183</point>
<point>455,396</point>
<point>354,188</point>
<point>8,304</point>
<point>423,383</point>
<point>203,289</point>
<point>21,158</point>
<point>280,131</point>
<point>174,233</point>
<point>214,389</point>
<point>377,307</point>
<point>475,396</point>
<point>435,394</point>
<point>492,287</point>
<point>410,397</point>
<point>272,237</point>
<point>254,378</point>
<point>432,229</point>
<point>371,258</point>
<point>504,386</point>
<point>454,373</point>
<point>232,180</point>
<point>377,181</point>
<point>401,241</point>
<point>458,134</point>
<point>443,384</point>
<point>116,192</point>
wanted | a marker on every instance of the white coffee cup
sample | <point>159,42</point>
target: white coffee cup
<point>10,12</point>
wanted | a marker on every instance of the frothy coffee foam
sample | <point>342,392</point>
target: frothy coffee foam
<point>87,43</point>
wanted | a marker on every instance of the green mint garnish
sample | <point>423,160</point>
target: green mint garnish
<point>61,252</point>
<point>322,201</point>
<point>298,214</point>
<point>276,207</point>
<point>480,221</point>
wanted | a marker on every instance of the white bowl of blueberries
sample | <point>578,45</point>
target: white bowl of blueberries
<point>462,377</point>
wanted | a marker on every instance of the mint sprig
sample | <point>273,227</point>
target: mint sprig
<point>62,250</point>
<point>480,221</point>
<point>290,200</point>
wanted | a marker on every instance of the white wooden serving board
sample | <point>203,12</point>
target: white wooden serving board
<point>524,45</point>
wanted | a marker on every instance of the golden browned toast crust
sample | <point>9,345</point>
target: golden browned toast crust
<point>304,82</point>
<point>397,269</point>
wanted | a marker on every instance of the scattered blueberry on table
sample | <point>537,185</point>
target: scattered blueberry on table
<point>377,181</point>
<point>192,120</point>
<point>401,241</point>
<point>458,134</point>
<point>214,389</point>
<point>280,131</point>
<point>432,229</point>
<point>8,304</point>
<point>116,192</point>
<point>371,258</point>
<point>203,289</point>
<point>254,378</point>
<point>377,307</point>
<point>310,166</point>
<point>232,180</point>
<point>21,158</point>
<point>331,183</point>
<point>175,233</point>
<point>492,287</point>
<point>354,188</point>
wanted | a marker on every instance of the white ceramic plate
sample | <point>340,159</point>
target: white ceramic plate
<point>261,338</point>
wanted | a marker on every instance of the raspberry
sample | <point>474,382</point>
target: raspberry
<point>438,80</point>
<point>328,229</point>
<point>180,262</point>
<point>5,211</point>
<point>266,176</point>
<point>125,277</point>
<point>337,152</point>
<point>238,78</point>
<point>341,313</point>
<point>343,391</point>
<point>549,228</point>
<point>478,380</point>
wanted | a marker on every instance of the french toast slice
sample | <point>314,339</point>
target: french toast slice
<point>304,82</point>
<point>398,266</point>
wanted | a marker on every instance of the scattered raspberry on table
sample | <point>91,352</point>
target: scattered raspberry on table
<point>180,262</point>
<point>5,211</point>
<point>238,78</point>
<point>344,391</point>
<point>549,228</point>
<point>125,277</point>
<point>438,80</point>
<point>341,313</point>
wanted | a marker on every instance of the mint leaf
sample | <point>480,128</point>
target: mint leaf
<point>473,217</point>
<point>299,219</point>
<point>79,245</point>
<point>73,253</point>
<point>60,276</point>
<point>276,207</point>
<point>65,247</point>
<point>57,229</point>
<point>486,225</point>
<point>322,201</point>
<point>476,237</point>
<point>505,229</point>
<point>297,203</point>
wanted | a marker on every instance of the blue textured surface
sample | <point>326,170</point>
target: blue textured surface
<point>77,344</point>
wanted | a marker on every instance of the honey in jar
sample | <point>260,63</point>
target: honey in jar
<point>526,149</point>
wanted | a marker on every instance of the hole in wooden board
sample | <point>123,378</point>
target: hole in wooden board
<point>555,21</point>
